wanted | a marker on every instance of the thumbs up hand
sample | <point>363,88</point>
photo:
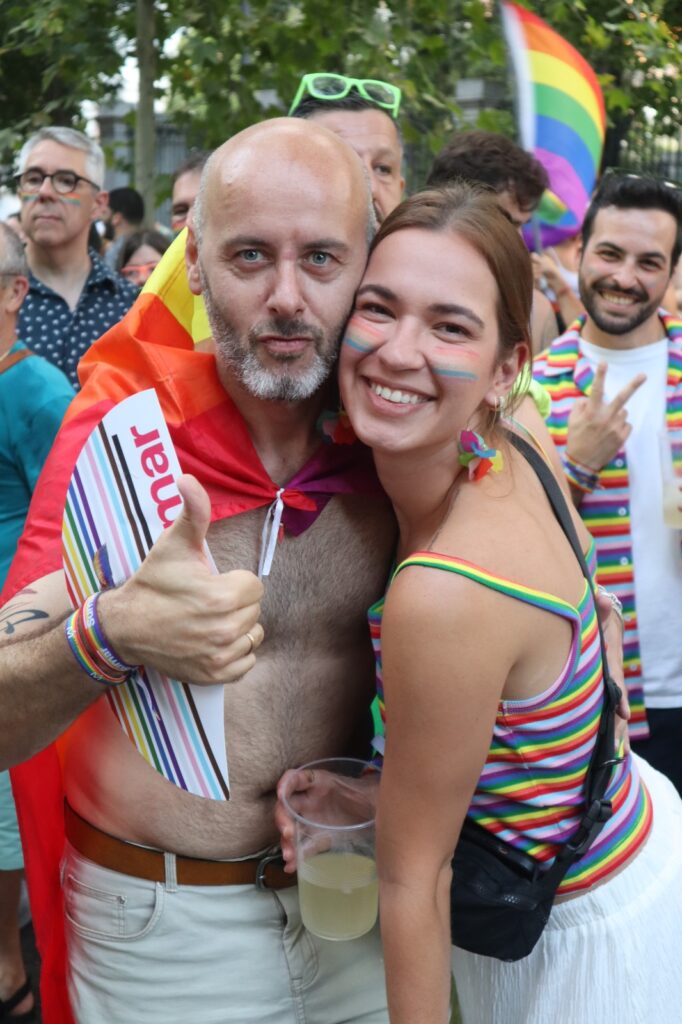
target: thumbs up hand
<point>178,616</point>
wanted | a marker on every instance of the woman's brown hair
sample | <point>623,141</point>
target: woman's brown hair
<point>473,213</point>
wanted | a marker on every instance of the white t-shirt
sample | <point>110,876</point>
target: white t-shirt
<point>656,549</point>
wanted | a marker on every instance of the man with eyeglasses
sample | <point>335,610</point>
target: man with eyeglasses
<point>363,112</point>
<point>33,399</point>
<point>73,296</point>
<point>615,378</point>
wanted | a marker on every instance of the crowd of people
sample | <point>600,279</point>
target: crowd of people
<point>413,524</point>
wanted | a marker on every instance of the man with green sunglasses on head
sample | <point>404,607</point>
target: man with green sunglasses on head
<point>363,112</point>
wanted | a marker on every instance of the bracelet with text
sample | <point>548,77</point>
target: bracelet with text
<point>91,648</point>
<point>582,477</point>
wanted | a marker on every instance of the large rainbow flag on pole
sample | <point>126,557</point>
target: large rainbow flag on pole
<point>562,119</point>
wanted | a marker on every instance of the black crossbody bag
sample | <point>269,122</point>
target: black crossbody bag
<point>501,898</point>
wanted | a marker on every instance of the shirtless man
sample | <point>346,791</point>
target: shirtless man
<point>279,247</point>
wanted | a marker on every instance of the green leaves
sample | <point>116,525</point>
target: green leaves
<point>235,62</point>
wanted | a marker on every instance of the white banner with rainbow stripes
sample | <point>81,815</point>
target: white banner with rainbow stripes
<point>121,496</point>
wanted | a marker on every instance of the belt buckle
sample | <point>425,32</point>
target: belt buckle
<point>269,858</point>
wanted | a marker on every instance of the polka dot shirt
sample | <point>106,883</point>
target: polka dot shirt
<point>62,335</point>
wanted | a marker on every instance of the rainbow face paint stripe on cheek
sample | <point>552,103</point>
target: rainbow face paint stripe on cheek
<point>447,362</point>
<point>361,335</point>
<point>444,371</point>
<point>71,198</point>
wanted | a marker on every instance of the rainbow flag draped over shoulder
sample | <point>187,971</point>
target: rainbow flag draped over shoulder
<point>561,116</point>
<point>152,347</point>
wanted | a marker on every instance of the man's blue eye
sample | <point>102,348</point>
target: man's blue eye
<point>250,255</point>
<point>320,259</point>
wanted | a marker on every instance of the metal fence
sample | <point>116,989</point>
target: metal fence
<point>647,152</point>
<point>118,137</point>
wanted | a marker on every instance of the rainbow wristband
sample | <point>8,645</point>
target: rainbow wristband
<point>90,649</point>
<point>98,640</point>
<point>580,476</point>
<point>83,656</point>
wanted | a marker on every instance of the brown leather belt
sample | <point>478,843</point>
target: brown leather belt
<point>264,872</point>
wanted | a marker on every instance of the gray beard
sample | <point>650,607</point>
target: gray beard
<point>280,385</point>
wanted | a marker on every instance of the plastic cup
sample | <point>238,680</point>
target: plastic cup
<point>670,451</point>
<point>334,837</point>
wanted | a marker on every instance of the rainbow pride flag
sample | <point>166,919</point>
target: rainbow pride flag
<point>562,120</point>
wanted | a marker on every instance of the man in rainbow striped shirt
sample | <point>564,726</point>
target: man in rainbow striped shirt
<point>615,378</point>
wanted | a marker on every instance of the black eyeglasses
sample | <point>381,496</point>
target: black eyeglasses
<point>63,182</point>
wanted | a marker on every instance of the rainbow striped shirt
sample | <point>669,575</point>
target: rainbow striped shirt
<point>531,788</point>
<point>567,375</point>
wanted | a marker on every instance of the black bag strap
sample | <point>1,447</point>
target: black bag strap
<point>597,809</point>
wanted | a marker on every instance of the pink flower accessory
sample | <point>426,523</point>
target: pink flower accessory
<point>475,455</point>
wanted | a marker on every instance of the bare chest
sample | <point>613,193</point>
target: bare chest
<point>314,672</point>
<point>305,698</point>
<point>322,580</point>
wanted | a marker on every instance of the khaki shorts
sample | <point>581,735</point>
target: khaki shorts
<point>145,953</point>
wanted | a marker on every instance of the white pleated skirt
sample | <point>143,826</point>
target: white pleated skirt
<point>611,956</point>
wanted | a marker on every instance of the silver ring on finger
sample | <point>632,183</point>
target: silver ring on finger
<point>252,642</point>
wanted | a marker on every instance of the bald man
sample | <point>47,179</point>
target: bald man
<point>164,919</point>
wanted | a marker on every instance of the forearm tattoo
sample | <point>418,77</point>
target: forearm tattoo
<point>16,613</point>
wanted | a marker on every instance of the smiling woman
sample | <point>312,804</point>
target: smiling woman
<point>436,338</point>
<point>489,669</point>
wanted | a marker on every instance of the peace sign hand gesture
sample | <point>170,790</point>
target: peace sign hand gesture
<point>597,429</point>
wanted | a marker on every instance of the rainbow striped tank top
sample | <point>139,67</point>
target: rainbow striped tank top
<point>530,792</point>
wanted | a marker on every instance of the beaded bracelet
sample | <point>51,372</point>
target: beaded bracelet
<point>582,477</point>
<point>89,646</point>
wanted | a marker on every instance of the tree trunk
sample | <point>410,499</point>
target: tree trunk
<point>144,121</point>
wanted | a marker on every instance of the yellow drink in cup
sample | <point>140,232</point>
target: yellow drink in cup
<point>670,451</point>
<point>672,505</point>
<point>338,894</point>
<point>333,807</point>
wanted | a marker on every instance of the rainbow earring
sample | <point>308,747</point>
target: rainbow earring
<point>475,455</point>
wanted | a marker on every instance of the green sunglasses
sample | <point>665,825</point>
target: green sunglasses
<point>323,86</point>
